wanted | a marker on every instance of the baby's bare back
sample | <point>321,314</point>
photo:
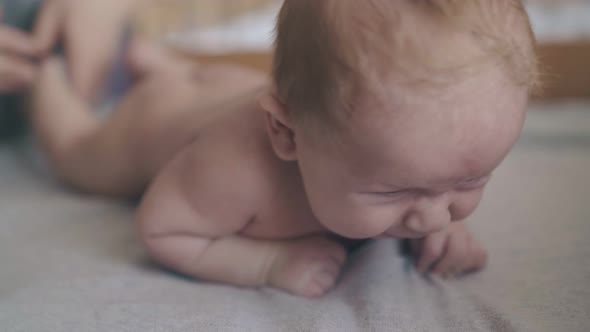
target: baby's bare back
<point>214,117</point>
<point>232,153</point>
<point>170,110</point>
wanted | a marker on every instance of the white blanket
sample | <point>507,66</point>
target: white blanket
<point>72,263</point>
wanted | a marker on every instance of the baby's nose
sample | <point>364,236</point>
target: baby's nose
<point>421,225</point>
<point>429,217</point>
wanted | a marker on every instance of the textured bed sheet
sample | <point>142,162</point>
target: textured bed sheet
<point>70,262</point>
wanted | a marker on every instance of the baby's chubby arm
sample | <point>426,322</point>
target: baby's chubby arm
<point>188,220</point>
<point>191,217</point>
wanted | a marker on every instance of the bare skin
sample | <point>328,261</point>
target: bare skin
<point>71,22</point>
<point>17,51</point>
<point>239,193</point>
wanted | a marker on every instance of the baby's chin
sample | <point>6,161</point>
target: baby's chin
<point>402,234</point>
<point>389,234</point>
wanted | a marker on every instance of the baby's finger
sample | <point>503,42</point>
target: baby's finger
<point>478,257</point>
<point>16,42</point>
<point>454,258</point>
<point>432,250</point>
<point>15,73</point>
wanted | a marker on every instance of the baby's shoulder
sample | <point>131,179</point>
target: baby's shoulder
<point>233,164</point>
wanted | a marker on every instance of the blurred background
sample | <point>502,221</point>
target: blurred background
<point>242,31</point>
<point>55,245</point>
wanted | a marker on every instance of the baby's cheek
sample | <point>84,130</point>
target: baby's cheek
<point>359,222</point>
<point>464,204</point>
<point>375,221</point>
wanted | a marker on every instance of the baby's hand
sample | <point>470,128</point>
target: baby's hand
<point>451,252</point>
<point>17,53</point>
<point>308,267</point>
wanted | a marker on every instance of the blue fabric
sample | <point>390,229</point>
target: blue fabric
<point>20,13</point>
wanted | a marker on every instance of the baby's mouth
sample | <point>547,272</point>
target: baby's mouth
<point>402,234</point>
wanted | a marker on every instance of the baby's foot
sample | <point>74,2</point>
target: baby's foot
<point>145,58</point>
<point>308,267</point>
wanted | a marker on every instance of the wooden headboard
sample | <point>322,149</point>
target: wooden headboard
<point>566,67</point>
<point>156,18</point>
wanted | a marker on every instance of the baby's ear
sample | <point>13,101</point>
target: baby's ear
<point>271,104</point>
<point>278,125</point>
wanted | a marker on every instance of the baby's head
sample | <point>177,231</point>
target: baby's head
<point>398,111</point>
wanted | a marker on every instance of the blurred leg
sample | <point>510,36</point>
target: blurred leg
<point>162,112</point>
<point>76,143</point>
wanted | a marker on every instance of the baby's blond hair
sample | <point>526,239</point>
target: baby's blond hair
<point>330,54</point>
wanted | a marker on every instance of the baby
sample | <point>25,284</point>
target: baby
<point>385,118</point>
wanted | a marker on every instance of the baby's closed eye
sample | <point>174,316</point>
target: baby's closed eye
<point>395,194</point>
<point>474,183</point>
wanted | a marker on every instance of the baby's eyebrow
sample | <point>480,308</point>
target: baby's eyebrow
<point>449,182</point>
<point>473,179</point>
<point>452,182</point>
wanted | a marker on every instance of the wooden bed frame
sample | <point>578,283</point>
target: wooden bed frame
<point>566,67</point>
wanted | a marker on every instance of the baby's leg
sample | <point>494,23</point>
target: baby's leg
<point>80,148</point>
<point>156,118</point>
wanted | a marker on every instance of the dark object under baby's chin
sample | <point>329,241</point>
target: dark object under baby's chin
<point>18,14</point>
<point>405,248</point>
<point>12,119</point>
<point>356,245</point>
